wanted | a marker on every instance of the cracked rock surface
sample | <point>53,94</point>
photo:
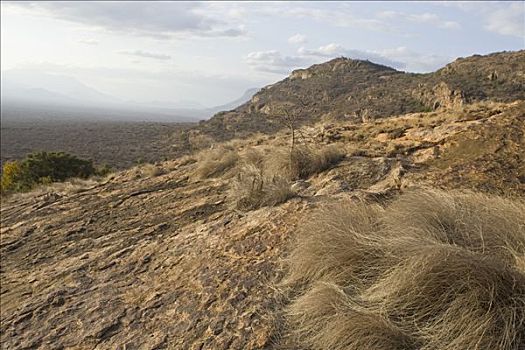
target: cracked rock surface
<point>164,262</point>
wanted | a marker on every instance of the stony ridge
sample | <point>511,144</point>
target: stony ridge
<point>346,89</point>
<point>165,262</point>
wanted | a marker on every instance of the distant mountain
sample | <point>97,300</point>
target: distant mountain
<point>248,94</point>
<point>21,101</point>
<point>35,95</point>
<point>23,89</point>
<point>18,83</point>
<point>198,113</point>
<point>357,90</point>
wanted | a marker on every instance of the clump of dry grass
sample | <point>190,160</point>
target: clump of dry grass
<point>304,161</point>
<point>71,186</point>
<point>216,161</point>
<point>327,318</point>
<point>477,222</point>
<point>338,245</point>
<point>265,180</point>
<point>432,270</point>
<point>255,186</point>
<point>152,170</point>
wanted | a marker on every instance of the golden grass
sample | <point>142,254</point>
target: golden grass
<point>432,270</point>
<point>215,162</point>
<point>152,170</point>
<point>265,179</point>
<point>255,186</point>
<point>327,318</point>
<point>305,161</point>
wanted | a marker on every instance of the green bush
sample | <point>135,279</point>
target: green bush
<point>44,168</point>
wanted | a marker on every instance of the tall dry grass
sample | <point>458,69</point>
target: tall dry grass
<point>432,270</point>
<point>215,162</point>
<point>265,179</point>
<point>152,170</point>
<point>255,185</point>
<point>304,161</point>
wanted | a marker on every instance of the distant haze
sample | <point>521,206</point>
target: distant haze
<point>184,60</point>
<point>60,97</point>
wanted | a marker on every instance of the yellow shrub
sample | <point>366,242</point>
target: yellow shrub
<point>11,173</point>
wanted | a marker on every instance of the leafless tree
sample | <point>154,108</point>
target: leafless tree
<point>290,115</point>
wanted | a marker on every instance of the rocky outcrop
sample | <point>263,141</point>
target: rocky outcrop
<point>362,90</point>
<point>441,96</point>
<point>300,74</point>
<point>165,262</point>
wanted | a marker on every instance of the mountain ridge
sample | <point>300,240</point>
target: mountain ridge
<point>21,88</point>
<point>347,89</point>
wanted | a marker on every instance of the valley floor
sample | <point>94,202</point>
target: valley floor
<point>120,145</point>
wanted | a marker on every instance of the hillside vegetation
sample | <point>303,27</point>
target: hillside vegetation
<point>43,168</point>
<point>399,232</point>
<point>355,90</point>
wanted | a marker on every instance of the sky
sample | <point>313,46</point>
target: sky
<point>209,53</point>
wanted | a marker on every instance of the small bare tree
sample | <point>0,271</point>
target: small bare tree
<point>290,114</point>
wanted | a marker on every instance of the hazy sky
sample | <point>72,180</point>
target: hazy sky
<point>211,52</point>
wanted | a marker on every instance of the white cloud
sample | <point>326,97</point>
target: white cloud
<point>323,51</point>
<point>297,39</point>
<point>400,58</point>
<point>415,61</point>
<point>161,20</point>
<point>424,18</point>
<point>335,50</point>
<point>501,17</point>
<point>433,19</point>
<point>146,54</point>
<point>387,14</point>
<point>274,62</point>
<point>342,17</point>
<point>88,41</point>
<point>508,21</point>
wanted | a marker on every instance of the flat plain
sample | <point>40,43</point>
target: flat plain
<point>119,144</point>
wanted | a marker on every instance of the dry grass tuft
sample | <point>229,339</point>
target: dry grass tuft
<point>474,221</point>
<point>152,170</point>
<point>326,318</point>
<point>265,180</point>
<point>305,161</point>
<point>431,271</point>
<point>255,186</point>
<point>338,245</point>
<point>215,162</point>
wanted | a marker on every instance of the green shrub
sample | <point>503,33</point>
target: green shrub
<point>44,168</point>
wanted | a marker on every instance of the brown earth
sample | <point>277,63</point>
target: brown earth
<point>147,261</point>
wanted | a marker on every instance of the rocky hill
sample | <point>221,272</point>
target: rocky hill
<point>355,90</point>
<point>159,257</point>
